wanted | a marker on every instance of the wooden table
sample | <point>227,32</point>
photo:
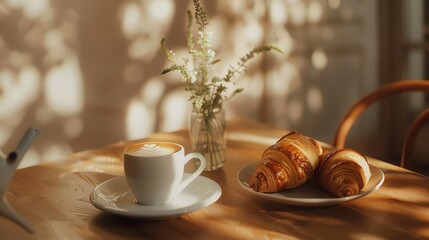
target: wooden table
<point>54,198</point>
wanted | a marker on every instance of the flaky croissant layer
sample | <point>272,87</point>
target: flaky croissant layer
<point>295,158</point>
<point>287,164</point>
<point>343,172</point>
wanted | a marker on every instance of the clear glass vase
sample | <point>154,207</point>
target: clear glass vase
<point>207,135</point>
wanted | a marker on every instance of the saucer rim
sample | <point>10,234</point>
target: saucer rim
<point>216,192</point>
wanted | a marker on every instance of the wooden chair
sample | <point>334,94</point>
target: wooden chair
<point>381,93</point>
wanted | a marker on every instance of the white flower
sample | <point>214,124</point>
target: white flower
<point>198,104</point>
<point>211,53</point>
<point>207,92</point>
<point>204,39</point>
<point>200,39</point>
<point>208,38</point>
<point>191,72</point>
<point>188,71</point>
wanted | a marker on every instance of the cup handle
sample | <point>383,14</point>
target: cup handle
<point>197,172</point>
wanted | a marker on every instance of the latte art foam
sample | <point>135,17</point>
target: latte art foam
<point>153,150</point>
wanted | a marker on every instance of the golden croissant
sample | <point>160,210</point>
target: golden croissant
<point>287,164</point>
<point>342,172</point>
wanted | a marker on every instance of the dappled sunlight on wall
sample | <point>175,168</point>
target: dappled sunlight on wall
<point>139,120</point>
<point>87,73</point>
<point>64,88</point>
<point>40,78</point>
<point>319,59</point>
<point>144,23</point>
<point>174,111</point>
<point>15,85</point>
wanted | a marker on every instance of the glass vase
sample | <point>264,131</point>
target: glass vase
<point>207,135</point>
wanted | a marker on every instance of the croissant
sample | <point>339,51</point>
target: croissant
<point>287,164</point>
<point>342,172</point>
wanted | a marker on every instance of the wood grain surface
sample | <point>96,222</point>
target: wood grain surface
<point>54,198</point>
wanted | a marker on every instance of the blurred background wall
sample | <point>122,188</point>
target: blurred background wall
<point>87,72</point>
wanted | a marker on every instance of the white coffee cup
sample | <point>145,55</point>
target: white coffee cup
<point>154,171</point>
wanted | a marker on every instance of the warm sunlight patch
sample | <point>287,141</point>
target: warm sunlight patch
<point>314,12</point>
<point>319,59</point>
<point>64,88</point>
<point>139,120</point>
<point>315,99</point>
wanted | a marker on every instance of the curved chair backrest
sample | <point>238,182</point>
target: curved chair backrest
<point>410,138</point>
<point>381,93</point>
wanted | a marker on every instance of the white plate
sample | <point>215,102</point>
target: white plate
<point>114,196</point>
<point>309,194</point>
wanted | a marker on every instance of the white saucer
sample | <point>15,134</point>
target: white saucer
<point>310,194</point>
<point>114,196</point>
